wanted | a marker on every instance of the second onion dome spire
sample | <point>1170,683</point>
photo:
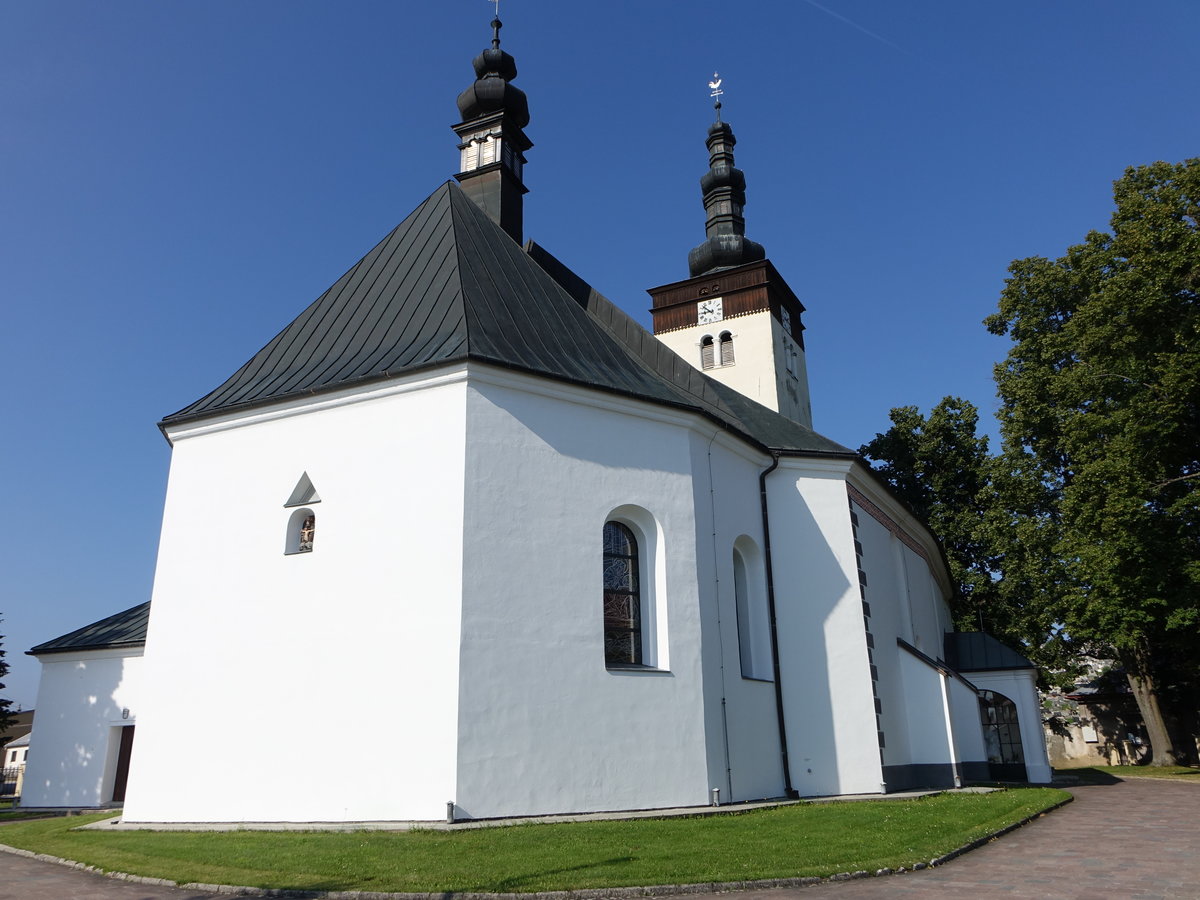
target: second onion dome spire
<point>724,188</point>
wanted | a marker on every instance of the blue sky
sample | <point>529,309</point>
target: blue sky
<point>179,179</point>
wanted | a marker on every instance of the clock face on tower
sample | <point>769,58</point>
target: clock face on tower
<point>709,311</point>
<point>786,318</point>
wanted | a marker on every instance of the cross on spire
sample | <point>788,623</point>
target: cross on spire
<point>496,24</point>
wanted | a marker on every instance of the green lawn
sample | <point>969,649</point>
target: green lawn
<point>1105,774</point>
<point>784,842</point>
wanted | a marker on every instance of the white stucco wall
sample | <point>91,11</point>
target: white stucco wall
<point>544,726</point>
<point>828,700</point>
<point>743,724</point>
<point>968,731</point>
<point>83,701</point>
<point>928,738</point>
<point>887,597</point>
<point>906,603</point>
<point>760,371</point>
<point>360,636</point>
<point>930,698</point>
<point>450,617</point>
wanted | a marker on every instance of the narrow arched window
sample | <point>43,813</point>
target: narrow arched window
<point>741,595</point>
<point>301,531</point>
<point>726,348</point>
<point>706,352</point>
<point>622,597</point>
<point>750,603</point>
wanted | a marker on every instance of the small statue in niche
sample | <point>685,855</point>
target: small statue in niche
<point>307,529</point>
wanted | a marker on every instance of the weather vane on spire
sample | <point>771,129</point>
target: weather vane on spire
<point>495,25</point>
<point>715,91</point>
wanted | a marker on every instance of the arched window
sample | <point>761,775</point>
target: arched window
<point>622,597</point>
<point>1002,737</point>
<point>753,625</point>
<point>301,530</point>
<point>726,348</point>
<point>706,352</point>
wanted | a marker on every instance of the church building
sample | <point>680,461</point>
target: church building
<point>538,559</point>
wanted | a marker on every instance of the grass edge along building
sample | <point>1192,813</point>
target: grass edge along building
<point>538,559</point>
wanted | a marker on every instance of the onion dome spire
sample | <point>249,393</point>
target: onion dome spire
<point>492,140</point>
<point>724,189</point>
<point>492,90</point>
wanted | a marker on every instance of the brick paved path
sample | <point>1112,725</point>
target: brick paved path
<point>22,878</point>
<point>1136,839</point>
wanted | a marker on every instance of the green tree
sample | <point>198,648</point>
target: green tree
<point>5,705</point>
<point>941,468</point>
<point>1100,418</point>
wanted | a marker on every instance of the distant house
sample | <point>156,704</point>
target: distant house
<point>21,723</point>
<point>79,754</point>
<point>12,772</point>
<point>16,752</point>
<point>1096,722</point>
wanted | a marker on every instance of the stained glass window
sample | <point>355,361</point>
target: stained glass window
<point>622,597</point>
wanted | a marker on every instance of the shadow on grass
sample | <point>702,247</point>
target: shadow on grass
<point>517,884</point>
<point>514,884</point>
<point>7,815</point>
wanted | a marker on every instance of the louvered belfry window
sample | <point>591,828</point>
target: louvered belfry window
<point>706,352</point>
<point>622,597</point>
<point>726,348</point>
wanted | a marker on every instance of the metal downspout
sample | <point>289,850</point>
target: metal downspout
<point>766,525</point>
<point>712,504</point>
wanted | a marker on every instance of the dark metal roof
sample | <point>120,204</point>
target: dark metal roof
<point>448,285</point>
<point>125,629</point>
<point>978,651</point>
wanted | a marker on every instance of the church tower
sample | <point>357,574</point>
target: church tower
<point>735,318</point>
<point>492,137</point>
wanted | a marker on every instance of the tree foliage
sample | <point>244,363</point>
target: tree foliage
<point>1100,418</point>
<point>1082,536</point>
<point>940,468</point>
<point>5,705</point>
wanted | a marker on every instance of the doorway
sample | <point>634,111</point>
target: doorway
<point>123,753</point>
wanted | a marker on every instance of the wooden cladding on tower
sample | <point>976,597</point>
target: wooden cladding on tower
<point>754,287</point>
<point>683,313</point>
